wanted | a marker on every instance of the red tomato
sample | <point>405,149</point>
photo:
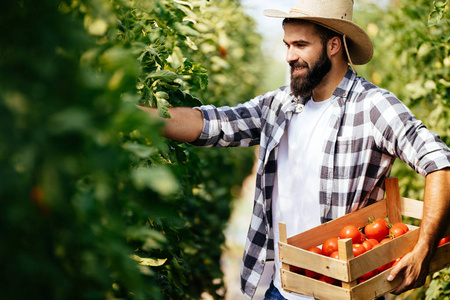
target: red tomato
<point>374,242</point>
<point>367,244</point>
<point>369,274</point>
<point>329,280</point>
<point>385,240</point>
<point>395,262</point>
<point>311,273</point>
<point>296,270</point>
<point>385,267</point>
<point>329,246</point>
<point>363,237</point>
<point>402,225</point>
<point>315,250</point>
<point>335,255</point>
<point>397,231</point>
<point>351,232</point>
<point>444,241</point>
<point>358,249</point>
<point>378,229</point>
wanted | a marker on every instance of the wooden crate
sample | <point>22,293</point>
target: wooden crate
<point>348,269</point>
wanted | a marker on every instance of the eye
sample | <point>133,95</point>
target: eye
<point>300,44</point>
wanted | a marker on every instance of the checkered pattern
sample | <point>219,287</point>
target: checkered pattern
<point>369,128</point>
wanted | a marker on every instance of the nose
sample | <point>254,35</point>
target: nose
<point>291,56</point>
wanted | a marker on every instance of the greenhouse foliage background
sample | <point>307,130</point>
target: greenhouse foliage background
<point>95,203</point>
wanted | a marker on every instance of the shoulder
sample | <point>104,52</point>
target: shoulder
<point>375,97</point>
<point>380,107</point>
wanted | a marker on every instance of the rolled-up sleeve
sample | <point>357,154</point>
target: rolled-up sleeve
<point>237,126</point>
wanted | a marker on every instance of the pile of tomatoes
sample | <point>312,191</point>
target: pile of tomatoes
<point>375,233</point>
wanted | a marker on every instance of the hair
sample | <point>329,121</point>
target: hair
<point>325,34</point>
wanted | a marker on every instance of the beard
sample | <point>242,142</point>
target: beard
<point>303,86</point>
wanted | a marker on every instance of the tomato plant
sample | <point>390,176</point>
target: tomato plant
<point>112,209</point>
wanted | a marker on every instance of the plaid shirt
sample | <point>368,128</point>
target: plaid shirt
<point>369,128</point>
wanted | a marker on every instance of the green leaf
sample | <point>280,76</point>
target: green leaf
<point>158,178</point>
<point>139,150</point>
<point>186,30</point>
<point>163,104</point>
<point>149,261</point>
<point>70,120</point>
<point>184,99</point>
<point>437,13</point>
<point>164,75</point>
<point>177,58</point>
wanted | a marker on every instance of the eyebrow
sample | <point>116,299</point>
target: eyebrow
<point>297,42</point>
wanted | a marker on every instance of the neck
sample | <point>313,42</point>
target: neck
<point>330,82</point>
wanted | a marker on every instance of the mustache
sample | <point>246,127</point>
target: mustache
<point>298,64</point>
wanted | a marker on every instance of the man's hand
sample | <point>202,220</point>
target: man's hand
<point>185,123</point>
<point>413,267</point>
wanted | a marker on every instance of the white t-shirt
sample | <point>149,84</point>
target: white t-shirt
<point>296,190</point>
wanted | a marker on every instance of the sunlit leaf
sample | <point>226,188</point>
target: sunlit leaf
<point>139,150</point>
<point>149,261</point>
<point>164,75</point>
<point>158,178</point>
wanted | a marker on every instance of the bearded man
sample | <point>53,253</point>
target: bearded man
<point>327,143</point>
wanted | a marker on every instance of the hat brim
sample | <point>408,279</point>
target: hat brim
<point>360,47</point>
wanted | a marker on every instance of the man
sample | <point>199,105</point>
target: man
<point>327,142</point>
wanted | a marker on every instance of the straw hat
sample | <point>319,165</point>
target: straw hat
<point>335,15</point>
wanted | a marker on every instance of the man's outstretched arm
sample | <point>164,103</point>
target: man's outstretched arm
<point>436,212</point>
<point>185,124</point>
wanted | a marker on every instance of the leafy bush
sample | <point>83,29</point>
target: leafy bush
<point>412,60</point>
<point>96,204</point>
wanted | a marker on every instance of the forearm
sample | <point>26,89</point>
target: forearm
<point>436,210</point>
<point>185,124</point>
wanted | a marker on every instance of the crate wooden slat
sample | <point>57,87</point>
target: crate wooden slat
<point>301,258</point>
<point>375,287</point>
<point>393,206</point>
<point>383,254</point>
<point>378,285</point>
<point>411,208</point>
<point>348,269</point>
<point>317,235</point>
<point>317,289</point>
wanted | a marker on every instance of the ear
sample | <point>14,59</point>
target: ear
<point>334,46</point>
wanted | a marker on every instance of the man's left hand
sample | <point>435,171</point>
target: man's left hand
<point>413,267</point>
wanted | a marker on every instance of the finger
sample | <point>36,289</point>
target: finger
<point>395,270</point>
<point>400,289</point>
